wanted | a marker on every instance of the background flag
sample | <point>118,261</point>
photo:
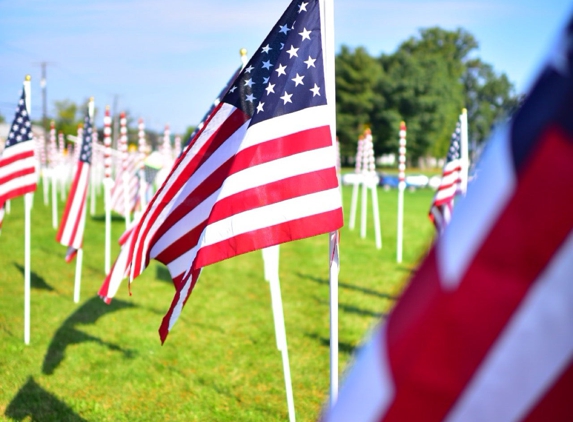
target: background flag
<point>261,172</point>
<point>450,185</point>
<point>483,332</point>
<point>18,163</point>
<point>71,230</point>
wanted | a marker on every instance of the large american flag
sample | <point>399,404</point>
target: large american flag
<point>484,330</point>
<point>18,163</point>
<point>71,230</point>
<point>450,185</point>
<point>261,172</point>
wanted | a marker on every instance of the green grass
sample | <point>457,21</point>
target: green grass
<point>90,361</point>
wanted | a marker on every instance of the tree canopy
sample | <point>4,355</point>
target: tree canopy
<point>426,82</point>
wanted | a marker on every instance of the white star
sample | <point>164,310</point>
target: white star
<point>315,90</point>
<point>309,62</point>
<point>249,83</point>
<point>302,7</point>
<point>19,120</point>
<point>298,80</point>
<point>21,101</point>
<point>284,29</point>
<point>281,70</point>
<point>260,107</point>
<point>24,113</point>
<point>23,130</point>
<point>292,51</point>
<point>266,79</point>
<point>267,65</point>
<point>282,45</point>
<point>266,49</point>
<point>18,138</point>
<point>248,69</point>
<point>250,98</point>
<point>286,98</point>
<point>232,89</point>
<point>304,34</point>
<point>270,88</point>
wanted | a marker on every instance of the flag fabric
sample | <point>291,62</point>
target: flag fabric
<point>484,330</point>
<point>450,185</point>
<point>71,229</point>
<point>132,179</point>
<point>18,162</point>
<point>261,172</point>
<point>118,270</point>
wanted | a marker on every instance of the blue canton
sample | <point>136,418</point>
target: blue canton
<point>21,129</point>
<point>286,74</point>
<point>86,152</point>
<point>454,152</point>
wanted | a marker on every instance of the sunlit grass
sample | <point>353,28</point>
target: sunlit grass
<point>90,361</point>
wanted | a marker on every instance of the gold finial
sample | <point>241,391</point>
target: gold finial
<point>91,99</point>
<point>464,110</point>
<point>28,78</point>
<point>107,107</point>
<point>243,52</point>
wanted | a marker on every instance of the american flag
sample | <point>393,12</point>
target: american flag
<point>261,172</point>
<point>484,330</point>
<point>18,163</point>
<point>450,185</point>
<point>71,230</point>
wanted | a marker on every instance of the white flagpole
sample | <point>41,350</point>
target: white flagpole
<point>141,149</point>
<point>401,187</point>
<point>357,182</point>
<point>27,230</point>
<point>327,10</point>
<point>107,184</point>
<point>53,167</point>
<point>372,182</point>
<point>124,174</point>
<point>464,149</point>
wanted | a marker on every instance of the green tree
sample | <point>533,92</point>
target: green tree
<point>66,117</point>
<point>357,76</point>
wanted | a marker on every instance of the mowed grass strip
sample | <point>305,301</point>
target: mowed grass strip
<point>96,362</point>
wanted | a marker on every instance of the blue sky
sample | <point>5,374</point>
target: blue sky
<point>167,60</point>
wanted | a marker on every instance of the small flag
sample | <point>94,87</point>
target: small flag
<point>71,230</point>
<point>450,185</point>
<point>18,163</point>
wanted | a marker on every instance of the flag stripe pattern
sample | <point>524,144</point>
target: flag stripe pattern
<point>262,170</point>
<point>18,163</point>
<point>450,185</point>
<point>71,229</point>
<point>483,331</point>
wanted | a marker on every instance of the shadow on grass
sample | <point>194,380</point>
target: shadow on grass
<point>101,218</point>
<point>350,287</point>
<point>35,404</point>
<point>69,334</point>
<point>36,282</point>
<point>325,342</point>
<point>162,273</point>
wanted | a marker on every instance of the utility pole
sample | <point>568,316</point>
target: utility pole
<point>115,115</point>
<point>43,83</point>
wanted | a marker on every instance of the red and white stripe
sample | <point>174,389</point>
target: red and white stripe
<point>126,177</point>
<point>17,171</point>
<point>71,231</point>
<point>483,332</point>
<point>402,155</point>
<point>107,143</point>
<point>259,186</point>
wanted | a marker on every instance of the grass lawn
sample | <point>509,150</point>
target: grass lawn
<point>94,362</point>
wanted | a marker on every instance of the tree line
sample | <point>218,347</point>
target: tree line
<point>427,82</point>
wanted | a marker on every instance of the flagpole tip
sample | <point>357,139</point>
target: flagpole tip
<point>243,52</point>
<point>107,108</point>
<point>464,110</point>
<point>28,78</point>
